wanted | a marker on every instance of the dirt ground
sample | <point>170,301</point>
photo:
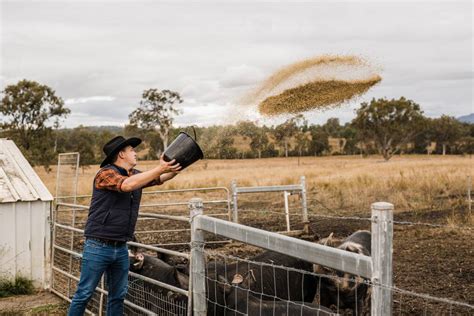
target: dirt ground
<point>41,303</point>
<point>437,261</point>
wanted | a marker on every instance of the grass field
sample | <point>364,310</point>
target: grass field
<point>348,183</point>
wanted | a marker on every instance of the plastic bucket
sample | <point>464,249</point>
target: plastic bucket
<point>184,149</point>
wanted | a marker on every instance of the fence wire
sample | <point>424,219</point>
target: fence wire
<point>343,293</point>
<point>143,298</point>
<point>280,285</point>
<point>358,218</point>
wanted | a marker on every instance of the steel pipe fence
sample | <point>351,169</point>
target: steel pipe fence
<point>169,232</point>
<point>288,190</point>
<point>172,234</point>
<point>225,200</point>
<point>366,277</point>
<point>142,298</point>
<point>377,268</point>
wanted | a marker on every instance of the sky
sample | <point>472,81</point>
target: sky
<point>99,56</point>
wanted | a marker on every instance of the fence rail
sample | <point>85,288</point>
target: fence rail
<point>378,269</point>
<point>55,267</point>
<point>287,191</point>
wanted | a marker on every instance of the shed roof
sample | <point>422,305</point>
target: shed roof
<point>18,180</point>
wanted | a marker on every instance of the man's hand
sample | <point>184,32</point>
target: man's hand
<point>169,166</point>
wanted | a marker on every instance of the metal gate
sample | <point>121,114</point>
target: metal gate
<point>66,262</point>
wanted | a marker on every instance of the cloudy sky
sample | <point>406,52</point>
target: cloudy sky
<point>100,56</point>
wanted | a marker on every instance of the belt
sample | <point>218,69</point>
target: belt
<point>114,243</point>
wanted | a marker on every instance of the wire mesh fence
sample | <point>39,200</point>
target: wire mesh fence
<point>67,177</point>
<point>274,284</point>
<point>146,296</point>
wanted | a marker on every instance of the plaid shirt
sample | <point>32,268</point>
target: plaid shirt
<point>110,179</point>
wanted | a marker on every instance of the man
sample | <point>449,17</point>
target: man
<point>111,222</point>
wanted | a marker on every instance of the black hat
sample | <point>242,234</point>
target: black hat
<point>114,145</point>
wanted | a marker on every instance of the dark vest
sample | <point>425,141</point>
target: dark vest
<point>112,214</point>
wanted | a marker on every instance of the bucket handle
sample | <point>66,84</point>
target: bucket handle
<point>194,131</point>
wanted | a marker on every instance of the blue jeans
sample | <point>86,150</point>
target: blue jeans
<point>98,258</point>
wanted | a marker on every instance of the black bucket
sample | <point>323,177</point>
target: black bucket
<point>184,149</point>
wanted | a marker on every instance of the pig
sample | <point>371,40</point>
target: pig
<point>159,270</point>
<point>271,281</point>
<point>343,289</point>
<point>241,302</point>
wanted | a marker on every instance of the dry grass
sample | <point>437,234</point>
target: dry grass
<point>348,183</point>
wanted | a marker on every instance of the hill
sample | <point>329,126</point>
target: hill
<point>467,118</point>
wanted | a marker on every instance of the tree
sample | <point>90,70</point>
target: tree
<point>156,112</point>
<point>319,141</point>
<point>422,141</point>
<point>467,145</point>
<point>224,143</point>
<point>258,136</point>
<point>285,131</point>
<point>27,108</point>
<point>333,128</point>
<point>302,138</point>
<point>81,140</point>
<point>303,142</point>
<point>390,124</point>
<point>349,133</point>
<point>446,131</point>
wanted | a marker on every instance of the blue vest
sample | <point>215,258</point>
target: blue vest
<point>113,214</point>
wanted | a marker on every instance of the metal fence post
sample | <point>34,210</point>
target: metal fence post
<point>304,205</point>
<point>234,201</point>
<point>198,261</point>
<point>287,210</point>
<point>382,249</point>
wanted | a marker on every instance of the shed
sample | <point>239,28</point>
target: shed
<point>25,208</point>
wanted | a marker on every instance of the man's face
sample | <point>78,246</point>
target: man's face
<point>129,155</point>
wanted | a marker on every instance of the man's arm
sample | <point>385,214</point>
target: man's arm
<point>142,179</point>
<point>162,179</point>
<point>167,176</point>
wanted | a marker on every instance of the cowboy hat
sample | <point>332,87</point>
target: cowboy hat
<point>114,145</point>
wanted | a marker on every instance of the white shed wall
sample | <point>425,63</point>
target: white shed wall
<point>25,241</point>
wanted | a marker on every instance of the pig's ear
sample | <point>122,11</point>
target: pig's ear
<point>238,278</point>
<point>131,254</point>
<point>249,279</point>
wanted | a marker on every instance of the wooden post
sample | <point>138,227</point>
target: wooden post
<point>382,250</point>
<point>234,201</point>
<point>198,261</point>
<point>469,199</point>
<point>304,205</point>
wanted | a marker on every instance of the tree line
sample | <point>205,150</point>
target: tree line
<point>32,113</point>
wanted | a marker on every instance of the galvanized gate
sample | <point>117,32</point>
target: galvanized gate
<point>66,261</point>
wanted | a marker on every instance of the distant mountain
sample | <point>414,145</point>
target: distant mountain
<point>467,118</point>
